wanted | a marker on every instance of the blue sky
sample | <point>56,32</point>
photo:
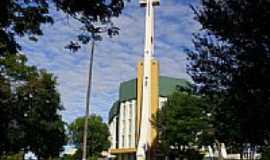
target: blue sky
<point>115,59</point>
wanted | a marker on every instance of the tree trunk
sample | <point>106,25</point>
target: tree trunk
<point>88,94</point>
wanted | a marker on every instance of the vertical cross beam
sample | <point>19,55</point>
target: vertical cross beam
<point>145,126</point>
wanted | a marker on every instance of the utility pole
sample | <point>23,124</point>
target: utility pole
<point>145,126</point>
<point>88,96</point>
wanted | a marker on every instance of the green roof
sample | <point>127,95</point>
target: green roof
<point>114,111</point>
<point>128,89</point>
<point>168,85</point>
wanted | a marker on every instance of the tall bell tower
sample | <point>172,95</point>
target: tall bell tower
<point>147,98</point>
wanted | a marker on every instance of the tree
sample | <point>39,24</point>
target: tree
<point>6,138</point>
<point>96,21</point>
<point>231,64</point>
<point>17,18</point>
<point>266,153</point>
<point>183,124</point>
<point>29,111</point>
<point>25,18</point>
<point>98,137</point>
<point>20,18</point>
<point>42,124</point>
<point>14,73</point>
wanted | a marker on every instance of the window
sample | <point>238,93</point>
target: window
<point>130,126</point>
<point>123,127</point>
<point>123,141</point>
<point>129,140</point>
<point>124,111</point>
<point>130,110</point>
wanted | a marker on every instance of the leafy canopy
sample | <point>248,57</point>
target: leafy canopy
<point>23,88</point>
<point>39,105</point>
<point>98,135</point>
<point>184,125</point>
<point>25,17</point>
<point>231,64</point>
<point>30,118</point>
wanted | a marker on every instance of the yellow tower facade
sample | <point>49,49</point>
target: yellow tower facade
<point>154,99</point>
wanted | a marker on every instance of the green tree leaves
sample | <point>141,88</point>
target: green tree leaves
<point>21,18</point>
<point>30,118</point>
<point>28,96</point>
<point>98,135</point>
<point>183,125</point>
<point>29,101</point>
<point>40,104</point>
<point>231,64</point>
<point>24,18</point>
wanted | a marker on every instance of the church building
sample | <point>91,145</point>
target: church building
<point>130,119</point>
<point>124,116</point>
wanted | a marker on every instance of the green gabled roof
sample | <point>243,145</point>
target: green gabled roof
<point>128,90</point>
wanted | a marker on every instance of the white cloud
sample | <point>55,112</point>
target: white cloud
<point>115,59</point>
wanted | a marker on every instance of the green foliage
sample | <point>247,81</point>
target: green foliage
<point>93,158</point>
<point>17,18</point>
<point>183,125</point>
<point>24,18</point>
<point>30,117</point>
<point>29,108</point>
<point>21,18</point>
<point>5,93</point>
<point>98,135</point>
<point>14,73</point>
<point>266,153</point>
<point>29,102</point>
<point>67,157</point>
<point>39,104</point>
<point>18,156</point>
<point>231,64</point>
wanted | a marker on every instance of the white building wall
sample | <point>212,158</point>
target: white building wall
<point>114,132</point>
<point>111,131</point>
<point>133,127</point>
<point>112,127</point>
<point>127,123</point>
<point>162,101</point>
<point>127,120</point>
<point>126,130</point>
<point>121,125</point>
